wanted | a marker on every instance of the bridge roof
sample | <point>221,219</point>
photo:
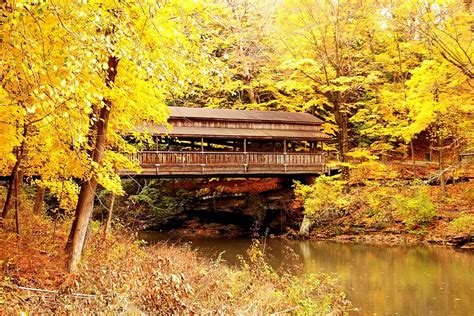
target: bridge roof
<point>239,124</point>
<point>243,115</point>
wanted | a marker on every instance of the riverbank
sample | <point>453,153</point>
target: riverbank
<point>121,275</point>
<point>400,215</point>
<point>394,239</point>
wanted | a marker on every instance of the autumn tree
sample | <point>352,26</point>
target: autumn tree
<point>102,68</point>
<point>330,48</point>
<point>34,96</point>
<point>425,90</point>
<point>441,87</point>
<point>249,49</point>
<point>243,44</point>
<point>447,26</point>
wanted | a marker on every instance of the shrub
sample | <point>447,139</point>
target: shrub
<point>164,203</point>
<point>325,199</point>
<point>415,208</point>
<point>277,290</point>
<point>376,204</point>
<point>463,225</point>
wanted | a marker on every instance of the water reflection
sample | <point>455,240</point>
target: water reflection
<point>381,280</point>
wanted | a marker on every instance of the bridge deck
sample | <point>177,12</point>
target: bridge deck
<point>177,163</point>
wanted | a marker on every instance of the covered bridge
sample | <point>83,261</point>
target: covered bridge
<point>223,142</point>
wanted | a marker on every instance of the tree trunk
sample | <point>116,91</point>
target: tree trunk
<point>345,146</point>
<point>87,237</point>
<point>83,214</point>
<point>10,190</point>
<point>18,195</point>
<point>343,142</point>
<point>14,175</point>
<point>431,150</point>
<point>249,90</point>
<point>412,149</point>
<point>109,215</point>
<point>39,200</point>
<point>85,202</point>
<point>68,247</point>
<point>442,176</point>
<point>305,226</point>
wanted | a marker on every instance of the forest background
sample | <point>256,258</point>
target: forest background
<point>76,76</point>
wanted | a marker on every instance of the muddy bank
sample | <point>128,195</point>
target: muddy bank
<point>436,233</point>
<point>368,236</point>
<point>393,239</point>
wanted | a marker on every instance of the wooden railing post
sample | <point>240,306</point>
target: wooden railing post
<point>246,162</point>
<point>203,162</point>
<point>246,157</point>
<point>324,168</point>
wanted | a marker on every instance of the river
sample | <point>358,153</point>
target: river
<point>379,280</point>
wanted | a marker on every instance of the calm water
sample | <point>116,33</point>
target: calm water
<point>379,280</point>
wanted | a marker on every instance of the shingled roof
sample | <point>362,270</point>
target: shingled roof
<point>243,115</point>
<point>239,124</point>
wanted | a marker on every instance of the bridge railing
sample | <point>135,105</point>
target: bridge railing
<point>241,162</point>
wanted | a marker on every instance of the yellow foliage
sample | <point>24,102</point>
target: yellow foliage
<point>54,67</point>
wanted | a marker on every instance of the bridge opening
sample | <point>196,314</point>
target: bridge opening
<point>228,207</point>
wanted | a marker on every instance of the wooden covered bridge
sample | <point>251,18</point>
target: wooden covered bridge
<point>236,143</point>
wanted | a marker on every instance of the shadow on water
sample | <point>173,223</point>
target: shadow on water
<point>382,280</point>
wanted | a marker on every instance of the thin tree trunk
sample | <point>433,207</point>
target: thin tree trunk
<point>109,216</point>
<point>91,137</point>
<point>412,149</point>
<point>21,175</point>
<point>341,118</point>
<point>442,176</point>
<point>14,175</point>
<point>458,151</point>
<point>344,144</point>
<point>17,185</point>
<point>249,90</point>
<point>431,150</point>
<point>305,226</point>
<point>10,191</point>
<point>83,213</point>
<point>39,200</point>
<point>85,202</point>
